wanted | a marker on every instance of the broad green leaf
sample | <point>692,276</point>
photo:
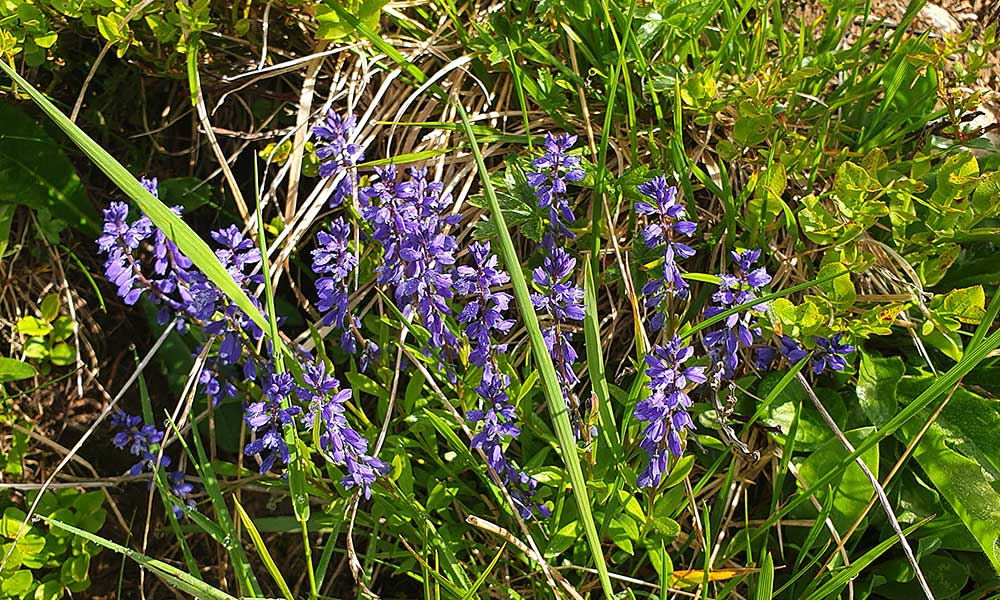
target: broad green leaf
<point>50,307</point>
<point>852,490</point>
<point>12,369</point>
<point>62,354</point>
<point>959,453</point>
<point>32,325</point>
<point>11,521</point>
<point>17,584</point>
<point>35,172</point>
<point>792,403</point>
<point>876,389</point>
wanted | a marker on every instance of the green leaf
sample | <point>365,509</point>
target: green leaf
<point>35,172</point>
<point>852,490</point>
<point>50,307</point>
<point>36,348</point>
<point>262,550</point>
<point>62,354</point>
<point>49,590</point>
<point>17,584</point>
<point>32,325</point>
<point>62,328</point>
<point>12,369</point>
<point>11,521</point>
<point>943,453</point>
<point>876,389</point>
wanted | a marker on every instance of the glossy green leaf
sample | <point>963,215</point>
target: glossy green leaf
<point>876,389</point>
<point>851,488</point>
<point>12,369</point>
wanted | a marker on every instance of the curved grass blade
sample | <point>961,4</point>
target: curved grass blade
<point>176,229</point>
<point>262,551</point>
<point>595,365</point>
<point>553,394</point>
<point>170,574</point>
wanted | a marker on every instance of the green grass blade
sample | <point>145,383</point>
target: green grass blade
<point>176,229</point>
<point>595,365</point>
<point>172,575</point>
<point>469,595</point>
<point>262,551</point>
<point>829,589</point>
<point>553,394</point>
<point>765,579</point>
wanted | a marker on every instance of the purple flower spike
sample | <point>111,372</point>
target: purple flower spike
<point>334,260</point>
<point>484,312</point>
<point>497,417</point>
<point>554,170</point>
<point>338,153</point>
<point>340,442</point>
<point>830,353</point>
<point>267,419</point>
<point>737,330</point>
<point>666,225</point>
<point>665,410</point>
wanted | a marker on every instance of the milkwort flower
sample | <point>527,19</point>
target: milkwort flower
<point>238,254</point>
<point>738,329</point>
<point>562,300</point>
<point>483,315</point>
<point>830,352</point>
<point>554,169</point>
<point>497,418</point>
<point>267,419</point>
<point>340,442</point>
<point>666,224</point>
<point>139,439</point>
<point>665,410</point>
<point>174,283</point>
<point>789,348</point>
<point>408,219</point>
<point>181,490</point>
<point>338,153</point>
<point>335,262</point>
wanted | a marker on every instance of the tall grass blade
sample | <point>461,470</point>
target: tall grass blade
<point>553,394</point>
<point>262,551</point>
<point>176,229</point>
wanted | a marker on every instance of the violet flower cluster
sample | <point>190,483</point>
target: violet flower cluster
<point>557,296</point>
<point>665,409</point>
<point>409,220</point>
<point>141,440</point>
<point>738,330</point>
<point>483,317</point>
<point>828,353</point>
<point>666,226</point>
<point>338,153</point>
<point>240,350</point>
<point>339,441</point>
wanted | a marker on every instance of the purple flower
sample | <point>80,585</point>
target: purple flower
<point>408,219</point>
<point>829,352</point>
<point>791,349</point>
<point>180,489</point>
<point>338,153</point>
<point>483,314</point>
<point>334,260</point>
<point>665,410</point>
<point>554,170</point>
<point>119,241</point>
<point>267,419</point>
<point>738,329</point>
<point>340,442</point>
<point>139,439</point>
<point>666,224</point>
<point>498,428</point>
